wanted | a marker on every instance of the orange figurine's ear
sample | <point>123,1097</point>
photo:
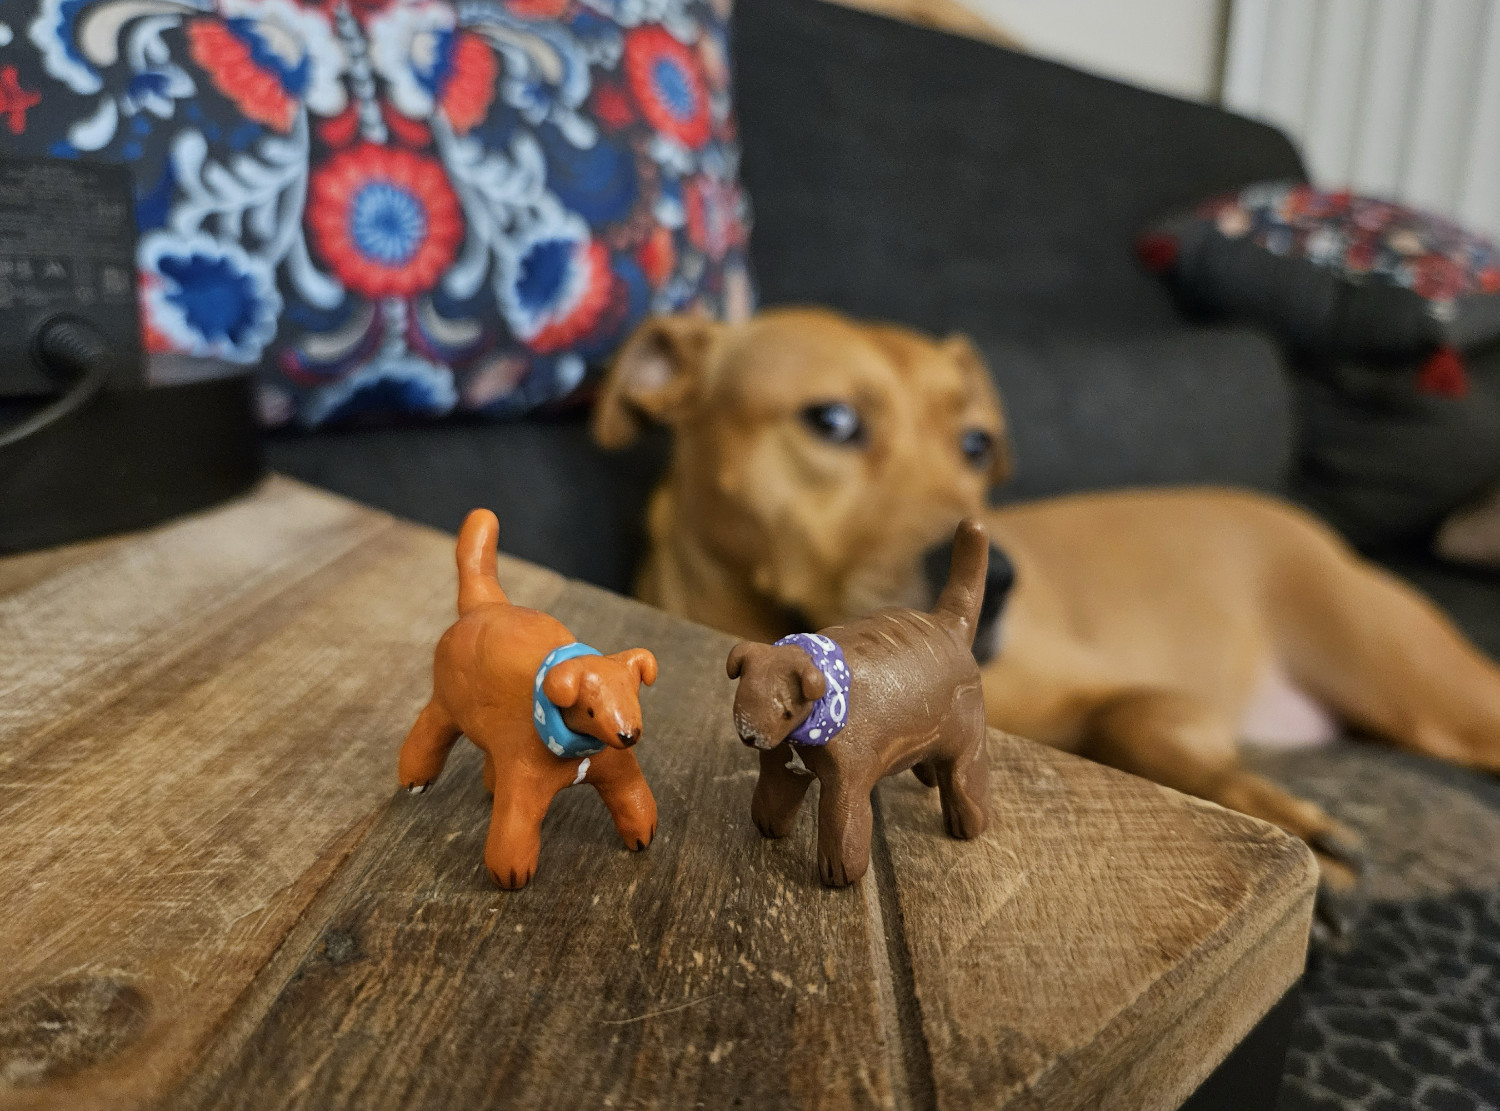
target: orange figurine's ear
<point>561,684</point>
<point>640,661</point>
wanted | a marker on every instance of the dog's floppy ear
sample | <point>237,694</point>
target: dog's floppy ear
<point>640,661</point>
<point>960,348</point>
<point>560,685</point>
<point>736,662</point>
<point>656,376</point>
<point>814,683</point>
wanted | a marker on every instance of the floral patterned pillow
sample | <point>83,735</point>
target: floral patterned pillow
<point>399,206</point>
<point>1333,272</point>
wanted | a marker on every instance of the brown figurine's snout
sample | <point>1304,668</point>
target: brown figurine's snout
<point>778,686</point>
<point>599,695</point>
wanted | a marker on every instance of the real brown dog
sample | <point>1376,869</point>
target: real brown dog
<point>914,701</point>
<point>816,459</point>
<point>484,671</point>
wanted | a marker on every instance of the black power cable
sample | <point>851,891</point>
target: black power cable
<point>71,350</point>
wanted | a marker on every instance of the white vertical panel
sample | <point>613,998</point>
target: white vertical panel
<point>1479,200</point>
<point>1245,55</point>
<point>1336,80</point>
<point>1291,36</point>
<point>1443,109</point>
<point>1385,101</point>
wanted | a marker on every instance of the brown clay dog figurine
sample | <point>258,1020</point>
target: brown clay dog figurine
<point>860,701</point>
<point>548,712</point>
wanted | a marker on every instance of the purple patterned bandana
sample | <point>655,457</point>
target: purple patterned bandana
<point>831,712</point>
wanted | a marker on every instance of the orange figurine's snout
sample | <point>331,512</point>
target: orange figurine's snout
<point>599,695</point>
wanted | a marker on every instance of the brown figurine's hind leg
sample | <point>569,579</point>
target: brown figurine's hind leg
<point>964,784</point>
<point>778,793</point>
<point>425,750</point>
<point>1173,740</point>
<point>845,819</point>
<point>618,779</point>
<point>925,773</point>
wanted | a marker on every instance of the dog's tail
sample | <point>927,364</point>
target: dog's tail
<point>477,584</point>
<point>964,592</point>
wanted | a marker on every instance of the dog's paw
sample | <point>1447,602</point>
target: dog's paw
<point>838,873</point>
<point>511,879</point>
<point>963,826</point>
<point>1341,866</point>
<point>417,788</point>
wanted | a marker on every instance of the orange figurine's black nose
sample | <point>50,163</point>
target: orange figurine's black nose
<point>628,739</point>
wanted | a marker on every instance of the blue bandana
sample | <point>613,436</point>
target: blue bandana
<point>548,719</point>
<point>831,712</point>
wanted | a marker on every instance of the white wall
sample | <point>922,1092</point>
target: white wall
<point>1169,45</point>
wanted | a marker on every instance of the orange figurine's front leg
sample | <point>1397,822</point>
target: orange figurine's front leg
<point>618,779</point>
<point>515,838</point>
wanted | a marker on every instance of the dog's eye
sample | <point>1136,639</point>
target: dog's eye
<point>837,422</point>
<point>978,447</point>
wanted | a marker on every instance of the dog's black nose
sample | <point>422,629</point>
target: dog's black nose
<point>628,739</point>
<point>998,581</point>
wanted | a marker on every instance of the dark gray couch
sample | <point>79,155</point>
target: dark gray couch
<point>906,174</point>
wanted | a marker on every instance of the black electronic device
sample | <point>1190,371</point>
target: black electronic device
<point>88,445</point>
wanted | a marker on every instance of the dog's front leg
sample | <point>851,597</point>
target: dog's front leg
<point>778,792</point>
<point>617,777</point>
<point>515,837</point>
<point>845,819</point>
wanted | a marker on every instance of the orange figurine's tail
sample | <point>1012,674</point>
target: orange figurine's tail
<point>477,584</point>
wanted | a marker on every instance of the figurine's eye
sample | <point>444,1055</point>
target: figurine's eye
<point>786,714</point>
<point>978,447</point>
<point>591,713</point>
<point>837,422</point>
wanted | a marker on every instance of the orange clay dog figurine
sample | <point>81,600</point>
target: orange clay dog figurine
<point>548,712</point>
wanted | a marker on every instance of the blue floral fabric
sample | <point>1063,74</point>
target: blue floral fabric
<point>398,207</point>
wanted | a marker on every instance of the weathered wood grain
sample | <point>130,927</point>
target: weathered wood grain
<point>192,722</point>
<point>711,970</point>
<point>211,897</point>
<point>1105,943</point>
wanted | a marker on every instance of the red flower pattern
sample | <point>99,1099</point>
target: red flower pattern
<point>386,220</point>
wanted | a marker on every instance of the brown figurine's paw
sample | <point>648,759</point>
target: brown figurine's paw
<point>963,824</point>
<point>838,873</point>
<point>512,879</point>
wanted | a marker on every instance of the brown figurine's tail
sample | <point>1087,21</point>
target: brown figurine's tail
<point>477,584</point>
<point>964,592</point>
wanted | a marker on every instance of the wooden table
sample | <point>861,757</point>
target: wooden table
<point>211,896</point>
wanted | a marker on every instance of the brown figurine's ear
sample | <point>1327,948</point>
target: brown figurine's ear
<point>561,684</point>
<point>960,348</point>
<point>737,654</point>
<point>814,683</point>
<point>656,376</point>
<point>640,661</point>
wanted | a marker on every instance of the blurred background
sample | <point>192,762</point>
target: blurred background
<point>1395,97</point>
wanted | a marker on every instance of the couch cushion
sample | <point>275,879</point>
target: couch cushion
<point>1332,271</point>
<point>903,173</point>
<point>1189,405</point>
<point>402,205</point>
